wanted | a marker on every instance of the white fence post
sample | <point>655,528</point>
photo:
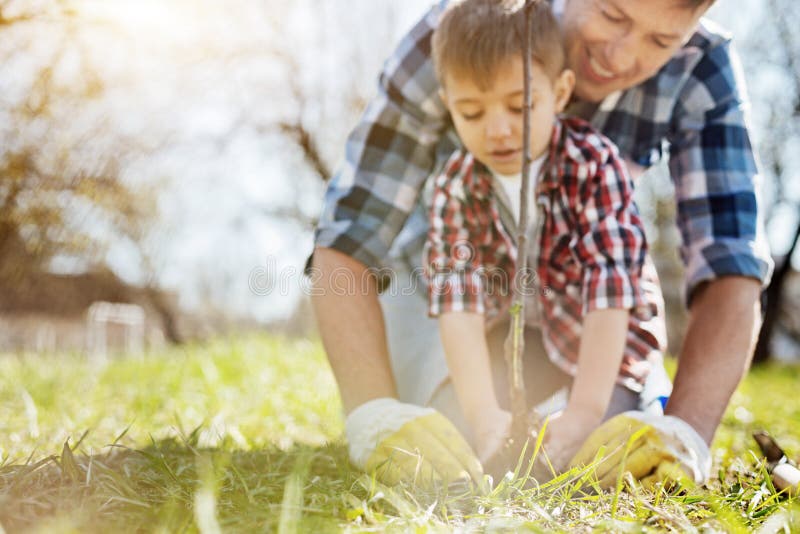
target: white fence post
<point>101,314</point>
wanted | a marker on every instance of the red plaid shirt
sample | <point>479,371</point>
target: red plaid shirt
<point>592,252</point>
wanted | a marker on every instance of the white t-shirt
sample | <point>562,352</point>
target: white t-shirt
<point>511,186</point>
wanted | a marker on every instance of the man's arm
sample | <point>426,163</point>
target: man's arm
<point>352,329</point>
<point>378,425</point>
<point>723,326</point>
<point>388,157</point>
<point>724,248</point>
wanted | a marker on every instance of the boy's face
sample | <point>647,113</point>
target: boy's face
<point>616,44</point>
<point>489,122</point>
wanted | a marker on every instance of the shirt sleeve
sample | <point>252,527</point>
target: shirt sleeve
<point>714,169</point>
<point>610,241</point>
<point>452,255</point>
<point>389,154</point>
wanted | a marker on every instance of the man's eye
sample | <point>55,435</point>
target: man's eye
<point>610,17</point>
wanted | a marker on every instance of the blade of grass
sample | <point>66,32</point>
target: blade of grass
<point>293,496</point>
<point>205,497</point>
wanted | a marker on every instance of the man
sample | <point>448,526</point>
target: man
<point>649,74</point>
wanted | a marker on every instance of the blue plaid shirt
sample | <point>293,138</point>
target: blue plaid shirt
<point>692,111</point>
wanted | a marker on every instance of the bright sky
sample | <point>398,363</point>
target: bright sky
<point>184,73</point>
<point>189,70</point>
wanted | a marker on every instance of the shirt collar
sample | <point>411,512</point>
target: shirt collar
<point>549,170</point>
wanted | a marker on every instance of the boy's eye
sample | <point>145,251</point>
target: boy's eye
<point>659,43</point>
<point>515,109</point>
<point>472,116</point>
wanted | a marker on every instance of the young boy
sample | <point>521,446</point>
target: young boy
<point>595,294</point>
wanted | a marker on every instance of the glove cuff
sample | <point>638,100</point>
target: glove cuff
<point>696,449</point>
<point>374,421</point>
<point>684,442</point>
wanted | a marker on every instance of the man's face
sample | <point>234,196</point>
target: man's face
<point>616,44</point>
<point>489,121</point>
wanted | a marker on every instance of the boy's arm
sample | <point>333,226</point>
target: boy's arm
<point>467,353</point>
<point>454,259</point>
<point>602,344</point>
<point>610,239</point>
<point>610,246</point>
<point>453,255</point>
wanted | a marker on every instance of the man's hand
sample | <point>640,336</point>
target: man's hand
<point>653,448</point>
<point>402,442</point>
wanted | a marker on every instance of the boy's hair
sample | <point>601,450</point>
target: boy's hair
<point>694,4</point>
<point>475,37</point>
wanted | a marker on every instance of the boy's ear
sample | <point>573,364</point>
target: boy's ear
<point>443,95</point>
<point>563,86</point>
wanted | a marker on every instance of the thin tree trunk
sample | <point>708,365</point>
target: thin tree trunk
<point>772,306</point>
<point>167,315</point>
<point>516,335</point>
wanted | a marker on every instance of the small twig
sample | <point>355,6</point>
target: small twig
<point>516,338</point>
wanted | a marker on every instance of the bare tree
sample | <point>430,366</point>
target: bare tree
<point>772,59</point>
<point>50,186</point>
<point>62,191</point>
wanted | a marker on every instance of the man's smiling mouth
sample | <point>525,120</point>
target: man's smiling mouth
<point>595,70</point>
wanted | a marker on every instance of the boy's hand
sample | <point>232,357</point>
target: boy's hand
<point>565,433</point>
<point>402,442</point>
<point>492,433</point>
<point>653,448</point>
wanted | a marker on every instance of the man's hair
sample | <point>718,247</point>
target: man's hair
<point>476,37</point>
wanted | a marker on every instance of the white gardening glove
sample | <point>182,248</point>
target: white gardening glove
<point>666,449</point>
<point>402,442</point>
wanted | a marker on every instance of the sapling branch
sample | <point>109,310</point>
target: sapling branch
<point>515,345</point>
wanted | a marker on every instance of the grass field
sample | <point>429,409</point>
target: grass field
<point>245,436</point>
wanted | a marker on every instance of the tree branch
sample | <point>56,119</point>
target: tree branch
<point>302,137</point>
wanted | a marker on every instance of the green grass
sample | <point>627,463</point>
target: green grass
<point>245,436</point>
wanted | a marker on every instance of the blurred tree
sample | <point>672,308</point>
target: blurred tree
<point>655,196</point>
<point>329,80</point>
<point>770,53</point>
<point>242,107</point>
<point>775,62</point>
<point>62,191</point>
<point>55,190</point>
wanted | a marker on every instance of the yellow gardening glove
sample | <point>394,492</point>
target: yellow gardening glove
<point>653,448</point>
<point>402,442</point>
